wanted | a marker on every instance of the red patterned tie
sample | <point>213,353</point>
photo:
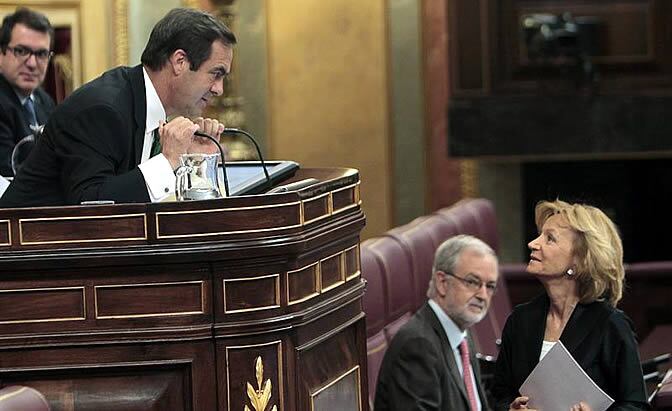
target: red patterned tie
<point>466,375</point>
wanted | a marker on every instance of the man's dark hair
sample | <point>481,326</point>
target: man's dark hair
<point>32,19</point>
<point>190,30</point>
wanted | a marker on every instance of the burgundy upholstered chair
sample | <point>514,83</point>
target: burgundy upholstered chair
<point>397,271</point>
<point>375,307</point>
<point>461,214</point>
<point>420,247</point>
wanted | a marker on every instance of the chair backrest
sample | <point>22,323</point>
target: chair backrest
<point>375,299</point>
<point>420,247</point>
<point>21,398</point>
<point>397,271</point>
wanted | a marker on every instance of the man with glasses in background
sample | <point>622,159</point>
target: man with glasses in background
<point>430,363</point>
<point>26,40</point>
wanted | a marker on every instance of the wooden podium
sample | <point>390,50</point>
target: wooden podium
<point>244,303</point>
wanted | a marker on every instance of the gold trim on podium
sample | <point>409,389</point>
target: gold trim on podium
<point>316,289</point>
<point>317,274</point>
<point>280,369</point>
<point>261,396</point>
<point>263,307</point>
<point>341,272</point>
<point>48,320</point>
<point>9,233</point>
<point>358,263</point>
<point>139,285</point>
<point>309,200</point>
<point>355,202</point>
<point>23,221</point>
<point>214,210</point>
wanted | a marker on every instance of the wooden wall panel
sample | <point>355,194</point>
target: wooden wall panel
<point>487,45</point>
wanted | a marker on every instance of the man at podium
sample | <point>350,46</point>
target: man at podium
<point>110,140</point>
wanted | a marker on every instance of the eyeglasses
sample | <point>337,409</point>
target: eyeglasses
<point>22,52</point>
<point>474,284</point>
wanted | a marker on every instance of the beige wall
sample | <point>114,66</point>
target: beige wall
<point>328,99</point>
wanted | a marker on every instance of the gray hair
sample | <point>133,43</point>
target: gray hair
<point>448,255</point>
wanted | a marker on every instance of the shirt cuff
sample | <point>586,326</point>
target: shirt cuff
<point>159,177</point>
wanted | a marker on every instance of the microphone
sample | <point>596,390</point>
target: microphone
<point>20,154</point>
<point>295,186</point>
<point>221,151</point>
<point>254,141</point>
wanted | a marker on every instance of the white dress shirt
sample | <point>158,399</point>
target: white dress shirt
<point>157,171</point>
<point>455,337</point>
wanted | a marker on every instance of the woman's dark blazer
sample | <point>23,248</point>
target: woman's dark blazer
<point>599,337</point>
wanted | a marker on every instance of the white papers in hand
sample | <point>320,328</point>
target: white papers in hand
<point>558,382</point>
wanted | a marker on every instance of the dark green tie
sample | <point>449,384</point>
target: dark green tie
<point>156,144</point>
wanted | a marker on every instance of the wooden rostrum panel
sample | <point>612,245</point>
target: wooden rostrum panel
<point>184,306</point>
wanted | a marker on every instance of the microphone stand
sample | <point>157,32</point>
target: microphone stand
<point>221,152</point>
<point>254,141</point>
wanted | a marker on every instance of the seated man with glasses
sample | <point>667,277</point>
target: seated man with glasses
<point>430,363</point>
<point>26,39</point>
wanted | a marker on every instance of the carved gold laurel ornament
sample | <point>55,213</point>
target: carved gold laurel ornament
<point>262,395</point>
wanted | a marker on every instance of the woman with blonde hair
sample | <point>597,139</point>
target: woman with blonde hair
<point>578,257</point>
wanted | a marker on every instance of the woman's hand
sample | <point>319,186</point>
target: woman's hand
<point>520,403</point>
<point>582,406</point>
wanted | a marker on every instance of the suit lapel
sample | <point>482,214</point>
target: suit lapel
<point>40,113</point>
<point>137,84</point>
<point>584,319</point>
<point>448,356</point>
<point>535,328</point>
<point>9,91</point>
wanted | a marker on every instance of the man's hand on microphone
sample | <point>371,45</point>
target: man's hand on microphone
<point>176,138</point>
<point>211,127</point>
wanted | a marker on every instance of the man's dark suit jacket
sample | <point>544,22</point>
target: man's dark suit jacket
<point>90,148</point>
<point>419,370</point>
<point>14,124</point>
<point>599,337</point>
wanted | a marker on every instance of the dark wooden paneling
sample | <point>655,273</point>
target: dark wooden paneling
<point>625,34</point>
<point>258,366</point>
<point>199,224</point>
<point>135,377</point>
<point>138,390</point>
<point>5,237</point>
<point>331,271</point>
<point>154,312</point>
<point>138,300</point>
<point>487,45</point>
<point>42,305</point>
<point>302,284</point>
<point>344,199</point>
<point>467,30</point>
<point>352,260</point>
<point>316,208</point>
<point>561,125</point>
<point>256,293</point>
<point>82,229</point>
<point>340,350</point>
